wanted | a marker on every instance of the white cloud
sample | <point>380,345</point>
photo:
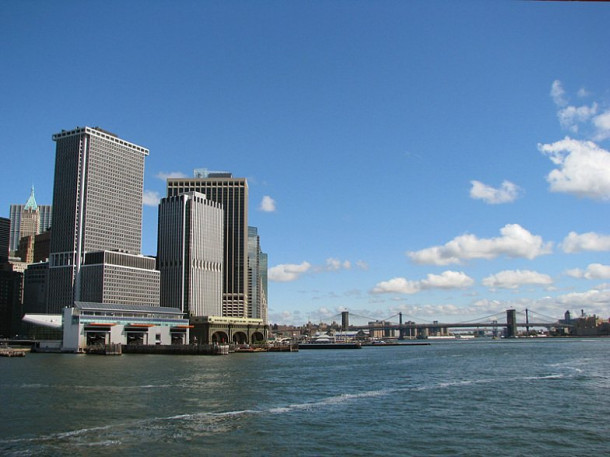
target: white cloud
<point>267,204</point>
<point>172,174</point>
<point>515,241</point>
<point>288,272</point>
<point>558,93</point>
<point>593,301</point>
<point>336,264</point>
<point>602,125</point>
<point>292,272</point>
<point>585,242</point>
<point>593,271</point>
<point>446,280</point>
<point>583,168</point>
<point>151,198</point>
<point>598,271</point>
<point>571,116</point>
<point>397,285</point>
<point>575,273</point>
<point>507,193</point>
<point>513,279</point>
<point>362,265</point>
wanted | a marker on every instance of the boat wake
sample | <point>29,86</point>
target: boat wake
<point>191,426</point>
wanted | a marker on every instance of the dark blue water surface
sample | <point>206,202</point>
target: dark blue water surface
<point>476,398</point>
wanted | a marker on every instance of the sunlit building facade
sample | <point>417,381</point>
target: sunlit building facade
<point>28,220</point>
<point>190,254</point>
<point>97,207</point>
<point>232,194</point>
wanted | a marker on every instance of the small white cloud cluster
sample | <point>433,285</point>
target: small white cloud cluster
<point>513,279</point>
<point>571,117</point>
<point>446,280</point>
<point>267,204</point>
<point>292,272</point>
<point>506,193</point>
<point>590,241</point>
<point>336,264</point>
<point>583,168</point>
<point>515,241</point>
<point>164,176</point>
<point>593,271</point>
<point>151,198</point>
<point>288,272</point>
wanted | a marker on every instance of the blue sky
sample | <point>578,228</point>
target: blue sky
<point>445,159</point>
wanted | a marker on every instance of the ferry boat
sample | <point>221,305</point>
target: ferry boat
<point>328,342</point>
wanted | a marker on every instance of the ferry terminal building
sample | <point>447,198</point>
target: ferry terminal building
<point>89,324</point>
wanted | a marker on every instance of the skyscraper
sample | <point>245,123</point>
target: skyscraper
<point>257,277</point>
<point>97,206</point>
<point>5,227</point>
<point>232,194</point>
<point>28,220</point>
<point>190,254</point>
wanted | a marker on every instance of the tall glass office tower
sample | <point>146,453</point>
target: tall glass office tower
<point>97,206</point>
<point>257,277</point>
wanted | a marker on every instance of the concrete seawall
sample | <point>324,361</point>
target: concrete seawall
<point>202,349</point>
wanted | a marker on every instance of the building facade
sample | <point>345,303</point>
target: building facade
<point>90,324</point>
<point>28,219</point>
<point>257,277</point>
<point>190,254</point>
<point>97,206</point>
<point>26,249</point>
<point>35,284</point>
<point>42,244</point>
<point>232,194</point>
<point>5,229</point>
<point>11,289</point>
<point>119,278</point>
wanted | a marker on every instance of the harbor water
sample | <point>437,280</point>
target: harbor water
<point>476,398</point>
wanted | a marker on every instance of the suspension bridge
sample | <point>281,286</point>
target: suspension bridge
<point>406,327</point>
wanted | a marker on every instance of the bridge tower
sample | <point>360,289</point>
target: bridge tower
<point>344,320</point>
<point>511,323</point>
<point>401,331</point>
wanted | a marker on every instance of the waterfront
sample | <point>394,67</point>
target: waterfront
<point>476,398</point>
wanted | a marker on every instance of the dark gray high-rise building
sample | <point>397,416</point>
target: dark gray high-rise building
<point>232,194</point>
<point>5,228</point>
<point>97,206</point>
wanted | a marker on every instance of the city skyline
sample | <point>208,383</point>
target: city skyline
<point>436,159</point>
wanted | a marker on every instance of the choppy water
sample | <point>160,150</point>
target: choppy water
<point>475,398</point>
